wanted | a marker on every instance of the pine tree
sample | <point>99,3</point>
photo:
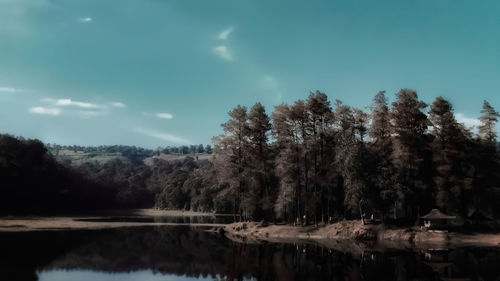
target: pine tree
<point>489,119</point>
<point>260,162</point>
<point>231,159</point>
<point>320,118</point>
<point>288,164</point>
<point>448,146</point>
<point>486,180</point>
<point>411,151</point>
<point>347,153</point>
<point>384,185</point>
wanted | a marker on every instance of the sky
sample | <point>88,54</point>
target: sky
<point>155,73</point>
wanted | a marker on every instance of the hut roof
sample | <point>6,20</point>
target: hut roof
<point>436,214</point>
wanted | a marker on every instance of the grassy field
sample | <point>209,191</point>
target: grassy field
<point>202,156</point>
<point>80,157</point>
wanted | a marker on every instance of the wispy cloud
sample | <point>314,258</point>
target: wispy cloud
<point>75,108</point>
<point>9,90</point>
<point>118,104</point>
<point>85,20</point>
<point>164,115</point>
<point>162,136</point>
<point>225,34</point>
<point>69,102</point>
<point>45,110</point>
<point>468,121</point>
<point>223,53</point>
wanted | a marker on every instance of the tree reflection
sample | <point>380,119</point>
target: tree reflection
<point>195,253</point>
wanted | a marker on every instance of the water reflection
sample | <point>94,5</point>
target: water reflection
<point>85,275</point>
<point>183,253</point>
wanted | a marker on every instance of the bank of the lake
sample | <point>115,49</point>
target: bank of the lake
<point>107,219</point>
<point>356,231</point>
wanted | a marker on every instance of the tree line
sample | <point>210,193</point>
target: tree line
<point>315,161</point>
<point>130,151</point>
<point>184,149</point>
<point>34,181</point>
<point>311,160</point>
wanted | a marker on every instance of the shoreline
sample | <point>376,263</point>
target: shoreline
<point>346,232</point>
<point>354,231</point>
<point>76,223</point>
<point>92,221</point>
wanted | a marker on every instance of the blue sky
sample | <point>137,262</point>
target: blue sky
<point>155,73</point>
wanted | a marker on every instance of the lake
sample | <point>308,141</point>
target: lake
<point>190,253</point>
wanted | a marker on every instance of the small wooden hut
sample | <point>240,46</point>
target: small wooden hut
<point>435,220</point>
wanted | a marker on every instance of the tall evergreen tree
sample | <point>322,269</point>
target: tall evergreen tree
<point>231,160</point>
<point>384,184</point>
<point>288,164</point>
<point>486,179</point>
<point>320,118</point>
<point>260,157</point>
<point>411,151</point>
<point>489,119</point>
<point>347,153</point>
<point>448,146</point>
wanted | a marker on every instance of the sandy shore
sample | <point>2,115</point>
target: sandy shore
<point>68,223</point>
<point>356,232</point>
<point>329,235</point>
<point>41,223</point>
<point>157,213</point>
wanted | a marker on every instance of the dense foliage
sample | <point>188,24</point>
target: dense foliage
<point>312,161</point>
<point>33,181</point>
<point>309,160</point>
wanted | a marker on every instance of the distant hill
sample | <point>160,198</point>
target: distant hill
<point>172,157</point>
<point>76,155</point>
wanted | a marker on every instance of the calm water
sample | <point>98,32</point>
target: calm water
<point>183,253</point>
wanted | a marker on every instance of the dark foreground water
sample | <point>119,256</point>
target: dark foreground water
<point>183,253</point>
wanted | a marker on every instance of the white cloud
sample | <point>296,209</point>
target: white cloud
<point>45,110</point>
<point>9,90</point>
<point>85,20</point>
<point>118,104</point>
<point>225,34</point>
<point>69,102</point>
<point>469,122</point>
<point>223,53</point>
<point>269,78</point>
<point>164,115</point>
<point>75,108</point>
<point>162,136</point>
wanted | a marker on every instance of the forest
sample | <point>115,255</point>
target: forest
<point>35,179</point>
<point>311,160</point>
<point>318,162</point>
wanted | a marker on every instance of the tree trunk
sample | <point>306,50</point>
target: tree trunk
<point>361,212</point>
